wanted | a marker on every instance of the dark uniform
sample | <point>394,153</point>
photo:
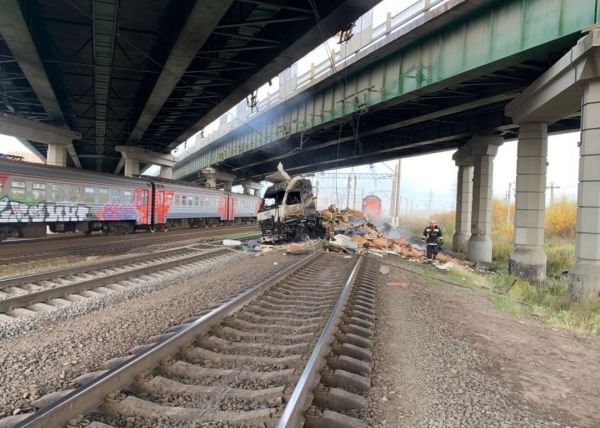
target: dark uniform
<point>432,237</point>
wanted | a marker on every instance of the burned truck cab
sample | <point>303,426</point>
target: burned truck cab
<point>289,212</point>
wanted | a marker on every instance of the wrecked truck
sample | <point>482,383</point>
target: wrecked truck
<point>288,211</point>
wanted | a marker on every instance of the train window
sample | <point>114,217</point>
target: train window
<point>115,196</point>
<point>145,198</point>
<point>126,197</point>
<point>17,189</point>
<point>197,201</point>
<point>57,193</point>
<point>72,193</point>
<point>103,196</point>
<point>89,195</point>
<point>38,191</point>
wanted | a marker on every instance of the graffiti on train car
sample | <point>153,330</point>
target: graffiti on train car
<point>22,212</point>
<point>118,212</point>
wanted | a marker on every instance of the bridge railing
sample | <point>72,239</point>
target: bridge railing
<point>291,84</point>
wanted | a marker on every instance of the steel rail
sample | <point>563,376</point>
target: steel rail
<point>91,395</point>
<point>16,281</point>
<point>53,293</point>
<point>300,400</point>
<point>131,241</point>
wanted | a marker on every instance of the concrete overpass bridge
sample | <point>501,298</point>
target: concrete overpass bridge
<point>463,75</point>
<point>93,78</point>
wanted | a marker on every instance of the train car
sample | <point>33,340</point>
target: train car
<point>243,208</point>
<point>371,206</point>
<point>33,196</point>
<point>180,205</point>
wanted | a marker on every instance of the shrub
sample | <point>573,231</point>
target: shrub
<point>560,219</point>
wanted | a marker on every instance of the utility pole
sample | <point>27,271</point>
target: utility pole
<point>552,187</point>
<point>397,193</point>
<point>348,192</point>
<point>354,196</point>
<point>393,196</point>
<point>508,193</point>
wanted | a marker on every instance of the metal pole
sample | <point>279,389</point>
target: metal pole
<point>397,193</point>
<point>354,198</point>
<point>393,199</point>
<point>348,192</point>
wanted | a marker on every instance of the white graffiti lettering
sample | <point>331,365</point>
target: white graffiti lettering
<point>19,212</point>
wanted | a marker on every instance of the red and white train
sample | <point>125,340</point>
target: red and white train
<point>371,206</point>
<point>33,196</point>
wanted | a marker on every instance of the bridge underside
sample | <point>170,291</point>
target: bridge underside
<point>429,91</point>
<point>426,122</point>
<point>149,74</point>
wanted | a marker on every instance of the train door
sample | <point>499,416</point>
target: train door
<point>159,206</point>
<point>230,207</point>
<point>142,205</point>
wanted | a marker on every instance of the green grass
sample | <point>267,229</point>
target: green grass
<point>548,301</point>
<point>561,256</point>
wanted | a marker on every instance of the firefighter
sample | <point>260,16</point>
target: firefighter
<point>329,221</point>
<point>432,238</point>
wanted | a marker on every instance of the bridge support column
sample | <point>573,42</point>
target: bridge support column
<point>584,277</point>
<point>251,187</point>
<point>57,154</point>
<point>227,186</point>
<point>132,167</point>
<point>214,176</point>
<point>166,172</point>
<point>483,149</point>
<point>211,181</point>
<point>527,258</point>
<point>134,156</point>
<point>464,203</point>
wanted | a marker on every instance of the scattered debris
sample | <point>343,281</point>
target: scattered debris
<point>301,247</point>
<point>232,243</point>
<point>384,270</point>
<point>442,266</point>
<point>397,284</point>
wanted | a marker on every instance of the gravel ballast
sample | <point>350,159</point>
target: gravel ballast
<point>61,345</point>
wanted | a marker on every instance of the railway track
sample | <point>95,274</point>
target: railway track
<point>42,292</point>
<point>65,248</point>
<point>252,361</point>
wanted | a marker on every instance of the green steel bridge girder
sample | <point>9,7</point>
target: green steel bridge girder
<point>503,31</point>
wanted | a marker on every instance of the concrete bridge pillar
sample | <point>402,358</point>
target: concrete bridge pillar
<point>251,187</point>
<point>464,203</point>
<point>166,172</point>
<point>585,275</point>
<point>214,176</point>
<point>483,149</point>
<point>133,156</point>
<point>211,181</point>
<point>57,154</point>
<point>132,167</point>
<point>527,258</point>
